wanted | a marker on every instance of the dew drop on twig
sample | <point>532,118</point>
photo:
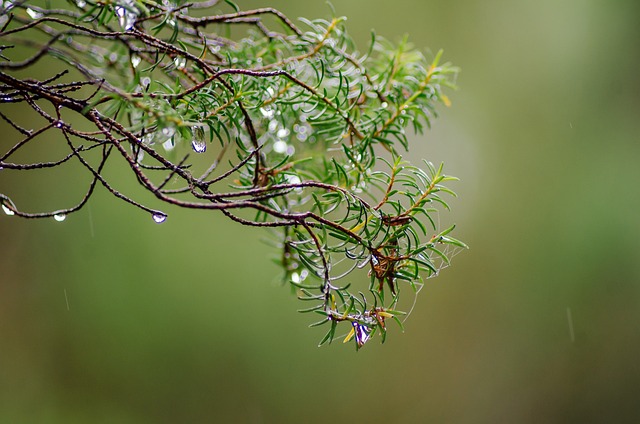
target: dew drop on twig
<point>8,211</point>
<point>159,217</point>
<point>60,217</point>
<point>198,143</point>
<point>180,62</point>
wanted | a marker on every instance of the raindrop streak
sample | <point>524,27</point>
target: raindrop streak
<point>8,211</point>
<point>66,298</point>
<point>198,143</point>
<point>159,218</point>
<point>59,217</point>
<point>570,320</point>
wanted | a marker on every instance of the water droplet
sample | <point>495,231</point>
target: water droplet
<point>159,217</point>
<point>295,277</point>
<point>8,211</point>
<point>81,3</point>
<point>294,179</point>
<point>283,132</point>
<point>302,131</point>
<point>58,124</point>
<point>127,14</point>
<point>180,62</point>
<point>168,145</point>
<point>280,146</point>
<point>146,81</point>
<point>273,125</point>
<point>198,146</point>
<point>60,217</point>
<point>267,111</point>
<point>198,143</point>
<point>168,131</point>
<point>384,105</point>
<point>135,60</point>
<point>362,334</point>
<point>139,155</point>
<point>33,13</point>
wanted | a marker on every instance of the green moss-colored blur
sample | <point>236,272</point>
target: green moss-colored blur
<point>110,318</point>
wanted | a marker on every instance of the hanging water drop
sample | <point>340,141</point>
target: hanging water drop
<point>81,3</point>
<point>159,217</point>
<point>135,60</point>
<point>8,211</point>
<point>60,217</point>
<point>127,15</point>
<point>198,143</point>
<point>180,62</point>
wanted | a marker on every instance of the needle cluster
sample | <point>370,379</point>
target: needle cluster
<point>272,123</point>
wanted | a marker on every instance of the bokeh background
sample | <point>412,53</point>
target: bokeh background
<point>109,318</point>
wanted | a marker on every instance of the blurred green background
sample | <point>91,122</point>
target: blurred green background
<point>539,322</point>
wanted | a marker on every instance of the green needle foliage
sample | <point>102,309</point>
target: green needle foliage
<point>211,108</point>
